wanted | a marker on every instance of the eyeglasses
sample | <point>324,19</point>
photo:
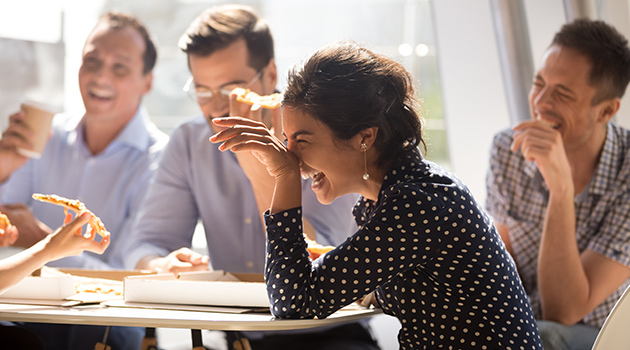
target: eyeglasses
<point>204,95</point>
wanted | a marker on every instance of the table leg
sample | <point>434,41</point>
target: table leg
<point>197,340</point>
<point>103,345</point>
<point>149,342</point>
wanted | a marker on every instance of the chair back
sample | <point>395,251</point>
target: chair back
<point>615,333</point>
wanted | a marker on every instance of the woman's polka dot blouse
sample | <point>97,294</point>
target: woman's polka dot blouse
<point>428,250</point>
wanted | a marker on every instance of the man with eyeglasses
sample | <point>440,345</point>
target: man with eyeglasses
<point>229,47</point>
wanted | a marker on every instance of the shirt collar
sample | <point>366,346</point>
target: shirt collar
<point>411,165</point>
<point>135,133</point>
<point>609,162</point>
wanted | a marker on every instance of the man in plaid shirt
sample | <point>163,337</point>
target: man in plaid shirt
<point>559,185</point>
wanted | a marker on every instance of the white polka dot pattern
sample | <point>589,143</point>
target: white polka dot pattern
<point>428,250</point>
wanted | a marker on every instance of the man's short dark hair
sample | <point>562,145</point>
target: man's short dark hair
<point>119,20</point>
<point>218,27</point>
<point>607,51</point>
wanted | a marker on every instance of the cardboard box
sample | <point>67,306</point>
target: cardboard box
<point>116,275</point>
<point>216,288</point>
<point>50,288</point>
<point>60,284</point>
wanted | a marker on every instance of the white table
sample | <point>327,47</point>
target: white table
<point>165,318</point>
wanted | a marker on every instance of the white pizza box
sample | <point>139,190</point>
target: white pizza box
<point>114,275</point>
<point>59,284</point>
<point>49,287</point>
<point>213,288</point>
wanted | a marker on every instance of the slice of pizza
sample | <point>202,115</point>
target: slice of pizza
<point>248,96</point>
<point>315,250</point>
<point>75,205</point>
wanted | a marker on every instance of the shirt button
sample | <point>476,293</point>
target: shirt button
<point>248,221</point>
<point>250,264</point>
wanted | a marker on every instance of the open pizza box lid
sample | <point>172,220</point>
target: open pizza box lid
<point>209,288</point>
<point>115,275</point>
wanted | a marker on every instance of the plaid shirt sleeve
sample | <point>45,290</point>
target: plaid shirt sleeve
<point>613,237</point>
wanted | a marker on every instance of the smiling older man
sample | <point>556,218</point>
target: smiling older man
<point>105,158</point>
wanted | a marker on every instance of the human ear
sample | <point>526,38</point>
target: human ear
<point>366,137</point>
<point>609,109</point>
<point>148,81</point>
<point>270,76</point>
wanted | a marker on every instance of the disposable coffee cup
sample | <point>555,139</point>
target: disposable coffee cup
<point>38,118</point>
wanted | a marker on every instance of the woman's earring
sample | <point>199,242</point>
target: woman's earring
<point>366,176</point>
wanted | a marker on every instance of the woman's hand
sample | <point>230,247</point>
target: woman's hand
<point>246,135</point>
<point>68,240</point>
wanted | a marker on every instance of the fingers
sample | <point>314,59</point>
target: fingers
<point>99,247</point>
<point>18,134</point>
<point>78,222</point>
<point>533,132</point>
<point>8,236</point>
<point>237,121</point>
<point>17,116</point>
<point>179,267</point>
<point>183,259</point>
<point>237,126</point>
<point>189,256</point>
<point>531,146</point>
<point>247,141</point>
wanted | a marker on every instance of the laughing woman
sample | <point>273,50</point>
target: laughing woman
<point>424,244</point>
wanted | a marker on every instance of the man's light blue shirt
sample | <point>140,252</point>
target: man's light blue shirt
<point>196,181</point>
<point>112,184</point>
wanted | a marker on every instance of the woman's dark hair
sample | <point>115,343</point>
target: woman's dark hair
<point>119,20</point>
<point>218,27</point>
<point>350,88</point>
<point>607,50</point>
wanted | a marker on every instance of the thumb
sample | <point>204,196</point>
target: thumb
<point>79,221</point>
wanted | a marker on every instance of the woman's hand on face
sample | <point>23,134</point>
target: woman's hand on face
<point>246,135</point>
